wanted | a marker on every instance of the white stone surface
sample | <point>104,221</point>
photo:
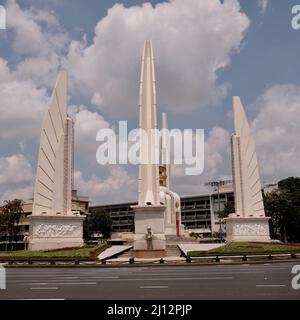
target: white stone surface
<point>248,229</point>
<point>53,184</point>
<point>169,198</point>
<point>248,223</point>
<point>149,213</point>
<point>112,251</point>
<point>55,232</point>
<point>149,217</point>
<point>246,179</point>
<point>199,246</point>
<point>148,172</point>
<point>53,225</point>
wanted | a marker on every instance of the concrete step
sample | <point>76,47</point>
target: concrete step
<point>172,251</point>
<point>127,254</point>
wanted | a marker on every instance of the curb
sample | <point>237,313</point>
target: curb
<point>137,265</point>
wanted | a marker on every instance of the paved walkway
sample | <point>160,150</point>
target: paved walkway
<point>112,251</point>
<point>186,247</point>
<point>145,260</point>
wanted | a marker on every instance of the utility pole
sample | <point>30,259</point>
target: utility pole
<point>216,185</point>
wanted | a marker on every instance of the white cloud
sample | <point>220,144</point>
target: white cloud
<point>263,4</point>
<point>116,188</point>
<point>87,124</point>
<point>22,106</point>
<point>216,153</point>
<point>192,39</point>
<point>39,40</point>
<point>277,131</point>
<point>16,178</point>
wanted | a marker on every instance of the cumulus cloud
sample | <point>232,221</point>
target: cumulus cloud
<point>16,177</point>
<point>87,124</point>
<point>277,130</point>
<point>39,40</point>
<point>216,153</point>
<point>192,39</point>
<point>117,187</point>
<point>22,105</point>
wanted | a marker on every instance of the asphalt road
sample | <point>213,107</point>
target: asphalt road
<point>268,281</point>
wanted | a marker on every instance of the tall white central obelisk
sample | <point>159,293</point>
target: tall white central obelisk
<point>149,237</point>
<point>53,224</point>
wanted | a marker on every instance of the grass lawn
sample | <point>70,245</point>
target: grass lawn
<point>84,253</point>
<point>249,248</point>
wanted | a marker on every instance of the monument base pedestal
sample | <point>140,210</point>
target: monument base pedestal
<point>149,254</point>
<point>241,229</point>
<point>149,218</point>
<point>171,230</point>
<point>55,232</point>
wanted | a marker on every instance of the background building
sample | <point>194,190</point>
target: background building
<point>199,213</point>
<point>79,203</point>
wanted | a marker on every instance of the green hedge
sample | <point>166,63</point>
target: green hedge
<point>84,253</point>
<point>237,248</point>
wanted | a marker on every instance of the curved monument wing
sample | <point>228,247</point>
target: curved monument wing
<point>248,195</point>
<point>52,192</point>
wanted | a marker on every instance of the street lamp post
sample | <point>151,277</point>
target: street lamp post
<point>218,184</point>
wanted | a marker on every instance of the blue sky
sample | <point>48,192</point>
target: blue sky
<point>205,53</point>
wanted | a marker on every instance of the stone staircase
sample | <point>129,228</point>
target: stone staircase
<point>172,250</point>
<point>128,254</point>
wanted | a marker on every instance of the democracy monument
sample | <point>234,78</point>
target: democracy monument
<point>53,223</point>
<point>158,211</point>
<point>249,222</point>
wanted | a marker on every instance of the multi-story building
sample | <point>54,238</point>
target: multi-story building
<point>199,213</point>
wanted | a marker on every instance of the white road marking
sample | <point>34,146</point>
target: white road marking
<point>75,283</point>
<point>270,285</point>
<point>174,279</point>
<point>44,288</point>
<point>203,273</point>
<point>36,299</point>
<point>154,287</point>
<point>58,283</point>
<point>112,277</point>
<point>36,284</point>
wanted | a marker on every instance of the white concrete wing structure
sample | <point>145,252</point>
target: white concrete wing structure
<point>149,213</point>
<point>53,224</point>
<point>249,221</point>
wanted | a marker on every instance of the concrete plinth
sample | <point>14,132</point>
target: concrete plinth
<point>152,217</point>
<point>240,229</point>
<point>55,232</point>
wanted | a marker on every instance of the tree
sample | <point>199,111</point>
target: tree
<point>279,207</point>
<point>227,210</point>
<point>291,186</point>
<point>100,222</point>
<point>11,214</point>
